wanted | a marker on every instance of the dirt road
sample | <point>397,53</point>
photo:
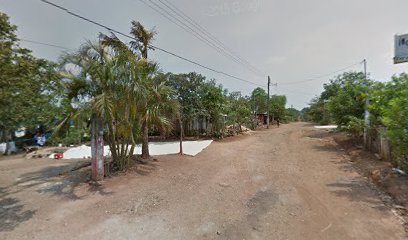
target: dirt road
<point>286,183</point>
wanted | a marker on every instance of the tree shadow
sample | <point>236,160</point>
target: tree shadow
<point>54,180</point>
<point>96,187</point>
<point>12,214</point>
<point>3,192</point>
<point>357,191</point>
<point>142,166</point>
<point>344,165</point>
<point>318,134</point>
<point>328,148</point>
<point>145,169</point>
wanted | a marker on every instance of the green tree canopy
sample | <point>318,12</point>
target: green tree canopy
<point>278,106</point>
<point>30,88</point>
<point>260,100</point>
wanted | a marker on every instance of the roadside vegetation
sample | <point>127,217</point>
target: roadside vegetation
<point>343,102</point>
<point>113,88</point>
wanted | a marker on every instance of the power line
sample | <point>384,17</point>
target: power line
<point>219,44</point>
<point>321,76</point>
<point>201,29</point>
<point>58,46</point>
<point>154,47</point>
<point>44,44</point>
<point>61,47</point>
<point>180,24</point>
<point>196,33</point>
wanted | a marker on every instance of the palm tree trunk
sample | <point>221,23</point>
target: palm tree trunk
<point>145,140</point>
<point>112,142</point>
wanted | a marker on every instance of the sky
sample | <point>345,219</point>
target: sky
<point>300,44</point>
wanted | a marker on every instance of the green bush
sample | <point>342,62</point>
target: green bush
<point>72,137</point>
<point>396,120</point>
<point>390,106</point>
<point>354,126</point>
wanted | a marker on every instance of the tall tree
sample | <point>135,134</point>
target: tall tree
<point>239,110</point>
<point>142,43</point>
<point>104,81</point>
<point>155,107</point>
<point>389,104</point>
<point>346,96</point>
<point>278,106</point>
<point>29,87</point>
<point>213,101</point>
<point>342,99</point>
<point>260,100</point>
<point>188,91</point>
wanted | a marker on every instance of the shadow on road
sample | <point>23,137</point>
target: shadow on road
<point>317,134</point>
<point>53,180</point>
<point>328,148</point>
<point>360,191</point>
<point>354,189</point>
<point>12,213</point>
<point>96,187</point>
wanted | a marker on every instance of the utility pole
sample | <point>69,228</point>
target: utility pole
<point>267,118</point>
<point>366,112</point>
<point>254,120</point>
<point>97,148</point>
<point>180,120</point>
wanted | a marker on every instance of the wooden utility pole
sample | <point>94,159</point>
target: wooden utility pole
<point>255,120</point>
<point>180,120</point>
<point>98,171</point>
<point>267,118</point>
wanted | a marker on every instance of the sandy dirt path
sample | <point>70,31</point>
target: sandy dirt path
<point>281,183</point>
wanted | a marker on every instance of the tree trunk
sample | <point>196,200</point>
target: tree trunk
<point>10,145</point>
<point>145,141</point>
<point>6,140</point>
<point>97,148</point>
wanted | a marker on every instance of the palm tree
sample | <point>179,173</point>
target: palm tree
<point>104,80</point>
<point>143,38</point>
<point>122,92</point>
<point>89,78</point>
<point>155,107</point>
<point>161,107</point>
<point>142,43</point>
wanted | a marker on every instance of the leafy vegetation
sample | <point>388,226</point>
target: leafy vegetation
<point>113,86</point>
<point>389,105</point>
<point>30,89</point>
<point>343,102</point>
<point>239,111</point>
<point>341,98</point>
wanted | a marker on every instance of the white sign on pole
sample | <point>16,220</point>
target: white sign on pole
<point>401,49</point>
